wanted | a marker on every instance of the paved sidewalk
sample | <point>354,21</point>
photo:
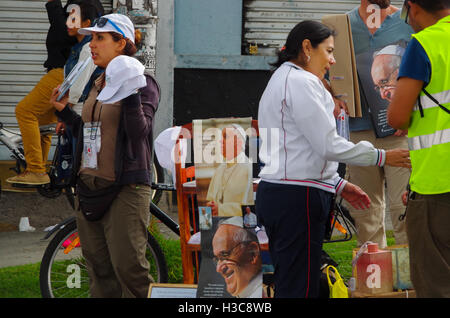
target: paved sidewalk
<point>18,248</point>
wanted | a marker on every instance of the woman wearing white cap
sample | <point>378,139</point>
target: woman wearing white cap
<point>113,162</point>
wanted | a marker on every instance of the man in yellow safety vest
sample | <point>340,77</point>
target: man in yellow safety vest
<point>422,105</point>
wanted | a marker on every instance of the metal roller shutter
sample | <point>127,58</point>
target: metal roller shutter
<point>268,22</point>
<point>23,30</point>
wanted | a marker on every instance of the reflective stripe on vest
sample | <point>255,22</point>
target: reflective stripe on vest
<point>442,97</point>
<point>427,141</point>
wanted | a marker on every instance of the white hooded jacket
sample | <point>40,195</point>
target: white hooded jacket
<point>297,129</point>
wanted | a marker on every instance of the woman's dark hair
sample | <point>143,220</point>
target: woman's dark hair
<point>130,47</point>
<point>89,9</point>
<point>313,31</point>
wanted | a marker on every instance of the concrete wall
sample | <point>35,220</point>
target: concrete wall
<point>208,35</point>
<point>165,62</point>
<point>198,35</point>
<point>208,27</point>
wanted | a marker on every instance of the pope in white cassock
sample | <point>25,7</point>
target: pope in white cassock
<point>232,183</point>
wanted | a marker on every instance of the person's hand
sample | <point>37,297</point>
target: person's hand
<point>398,158</point>
<point>60,127</point>
<point>338,105</point>
<point>405,198</point>
<point>355,196</point>
<point>401,133</point>
<point>59,105</point>
<point>214,208</point>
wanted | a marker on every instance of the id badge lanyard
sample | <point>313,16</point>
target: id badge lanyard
<point>92,140</point>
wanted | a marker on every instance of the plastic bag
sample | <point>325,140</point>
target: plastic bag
<point>338,289</point>
<point>342,125</point>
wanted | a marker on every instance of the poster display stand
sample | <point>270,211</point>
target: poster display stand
<point>231,256</point>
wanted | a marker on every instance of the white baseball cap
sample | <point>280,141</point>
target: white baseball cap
<point>113,22</point>
<point>123,76</point>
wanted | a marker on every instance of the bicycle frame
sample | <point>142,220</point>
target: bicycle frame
<point>59,230</point>
<point>174,226</point>
<point>338,221</point>
<point>13,141</point>
<point>164,218</point>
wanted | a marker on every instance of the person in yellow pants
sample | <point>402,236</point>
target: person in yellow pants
<point>33,111</point>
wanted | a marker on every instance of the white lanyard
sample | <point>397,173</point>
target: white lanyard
<point>91,141</point>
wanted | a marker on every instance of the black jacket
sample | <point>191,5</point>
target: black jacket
<point>134,145</point>
<point>58,42</point>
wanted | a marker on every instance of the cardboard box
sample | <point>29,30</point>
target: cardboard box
<point>343,75</point>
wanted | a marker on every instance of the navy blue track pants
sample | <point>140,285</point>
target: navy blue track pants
<point>294,218</point>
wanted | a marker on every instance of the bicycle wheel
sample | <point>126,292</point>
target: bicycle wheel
<point>157,177</point>
<point>63,272</point>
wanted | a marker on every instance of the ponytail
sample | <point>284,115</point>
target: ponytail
<point>284,56</point>
<point>313,31</point>
<point>130,48</point>
<point>137,36</point>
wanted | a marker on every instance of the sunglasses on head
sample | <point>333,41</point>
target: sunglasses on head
<point>101,22</point>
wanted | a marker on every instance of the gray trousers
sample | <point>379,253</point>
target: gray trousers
<point>428,228</point>
<point>114,247</point>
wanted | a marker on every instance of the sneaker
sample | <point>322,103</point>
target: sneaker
<point>29,177</point>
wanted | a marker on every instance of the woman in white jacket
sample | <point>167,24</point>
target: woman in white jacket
<point>301,150</point>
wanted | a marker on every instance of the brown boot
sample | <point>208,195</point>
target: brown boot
<point>29,177</point>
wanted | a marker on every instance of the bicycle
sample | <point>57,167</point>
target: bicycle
<point>62,249</point>
<point>63,272</point>
<point>13,141</point>
<point>53,264</point>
